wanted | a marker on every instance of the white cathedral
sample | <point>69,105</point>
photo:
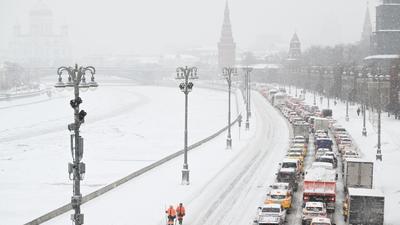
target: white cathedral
<point>40,46</point>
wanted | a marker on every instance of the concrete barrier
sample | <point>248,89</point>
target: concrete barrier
<point>65,208</point>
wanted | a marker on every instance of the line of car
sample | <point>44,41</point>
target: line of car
<point>278,201</point>
<point>362,203</point>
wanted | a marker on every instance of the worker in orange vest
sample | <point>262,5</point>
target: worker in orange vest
<point>180,210</point>
<point>171,214</point>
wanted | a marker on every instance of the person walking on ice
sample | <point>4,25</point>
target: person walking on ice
<point>171,215</point>
<point>180,211</point>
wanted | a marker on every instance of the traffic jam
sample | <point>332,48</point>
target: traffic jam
<point>323,179</point>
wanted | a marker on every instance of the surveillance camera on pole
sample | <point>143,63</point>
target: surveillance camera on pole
<point>76,169</point>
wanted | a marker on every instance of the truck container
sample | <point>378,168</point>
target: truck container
<point>358,173</point>
<point>279,99</point>
<point>320,186</point>
<point>301,129</point>
<point>364,206</point>
<point>321,124</point>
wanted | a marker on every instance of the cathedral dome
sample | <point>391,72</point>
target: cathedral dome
<point>40,9</point>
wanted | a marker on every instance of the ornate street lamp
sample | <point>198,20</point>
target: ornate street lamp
<point>77,169</point>
<point>228,72</point>
<point>364,101</point>
<point>186,74</point>
<point>247,71</point>
<point>379,79</point>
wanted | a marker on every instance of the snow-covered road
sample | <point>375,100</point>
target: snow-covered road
<point>226,186</point>
<point>237,191</point>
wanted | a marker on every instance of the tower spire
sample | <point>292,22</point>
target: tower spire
<point>295,47</point>
<point>226,13</point>
<point>226,45</point>
<point>367,28</point>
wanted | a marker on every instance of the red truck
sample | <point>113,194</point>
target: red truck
<point>320,186</point>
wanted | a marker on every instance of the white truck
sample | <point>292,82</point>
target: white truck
<point>321,124</point>
<point>279,99</point>
<point>358,173</point>
<point>364,206</point>
<point>300,128</point>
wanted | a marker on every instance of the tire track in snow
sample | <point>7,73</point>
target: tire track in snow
<point>222,210</point>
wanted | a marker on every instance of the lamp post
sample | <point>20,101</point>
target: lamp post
<point>379,150</point>
<point>227,72</point>
<point>249,91</point>
<point>328,104</point>
<point>247,71</point>
<point>76,169</point>
<point>379,78</point>
<point>315,100</point>
<point>186,74</point>
<point>364,105</point>
<point>347,97</point>
<point>347,108</point>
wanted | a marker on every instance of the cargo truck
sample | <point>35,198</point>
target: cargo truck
<point>364,206</point>
<point>321,124</point>
<point>358,173</point>
<point>320,186</point>
<point>279,99</point>
<point>301,129</point>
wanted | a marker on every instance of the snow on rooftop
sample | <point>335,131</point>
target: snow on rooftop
<point>320,174</point>
<point>314,204</point>
<point>365,192</point>
<point>280,94</point>
<point>278,192</point>
<point>358,160</point>
<point>272,205</point>
<point>261,66</point>
<point>389,30</point>
<point>382,57</point>
<point>290,160</point>
<point>287,170</point>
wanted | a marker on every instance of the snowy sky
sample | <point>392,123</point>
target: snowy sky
<point>156,26</point>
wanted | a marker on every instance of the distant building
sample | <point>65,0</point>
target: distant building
<point>385,58</point>
<point>40,46</point>
<point>226,45</point>
<point>294,55</point>
<point>295,48</point>
<point>386,38</point>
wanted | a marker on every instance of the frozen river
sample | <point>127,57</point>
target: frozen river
<point>127,128</point>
